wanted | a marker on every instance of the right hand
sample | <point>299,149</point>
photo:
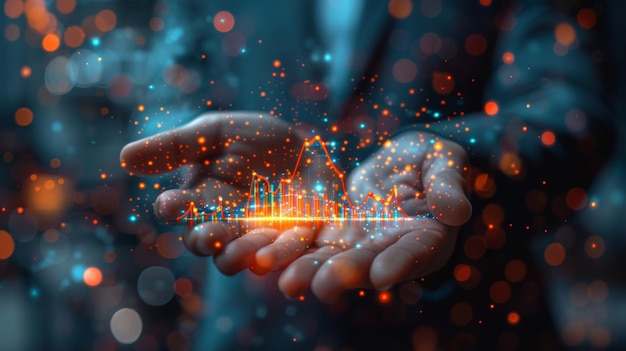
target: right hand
<point>220,151</point>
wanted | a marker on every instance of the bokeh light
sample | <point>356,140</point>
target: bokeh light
<point>155,285</point>
<point>126,325</point>
<point>50,42</point>
<point>74,36</point>
<point>587,18</point>
<point>565,34</point>
<point>65,6</point>
<point>554,254</point>
<point>400,9</point>
<point>7,245</point>
<point>92,276</point>
<point>224,21</point>
<point>23,116</point>
<point>106,20</point>
<point>491,108</point>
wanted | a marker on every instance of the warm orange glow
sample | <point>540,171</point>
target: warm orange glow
<point>491,108</point>
<point>23,116</point>
<point>26,71</point>
<point>183,287</point>
<point>515,271</point>
<point>13,8</point>
<point>66,6</point>
<point>565,34</point>
<point>587,18</point>
<point>277,63</point>
<point>400,9</point>
<point>224,21</point>
<point>493,215</point>
<point>38,17</point>
<point>384,297</point>
<point>548,138</point>
<point>595,246</point>
<point>500,291</point>
<point>106,20</point>
<point>443,83</point>
<point>485,2</point>
<point>92,276</point>
<point>475,45</point>
<point>7,245</point>
<point>50,42</point>
<point>554,254</point>
<point>576,199</point>
<point>74,36</point>
<point>508,57</point>
<point>513,318</point>
<point>462,272</point>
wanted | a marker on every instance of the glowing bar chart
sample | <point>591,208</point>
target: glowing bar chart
<point>302,198</point>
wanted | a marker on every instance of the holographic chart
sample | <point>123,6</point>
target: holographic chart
<point>313,194</point>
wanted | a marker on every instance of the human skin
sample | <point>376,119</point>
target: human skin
<point>220,150</point>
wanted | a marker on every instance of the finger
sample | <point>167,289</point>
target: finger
<point>413,255</point>
<point>172,149</point>
<point>239,254</point>
<point>171,204</point>
<point>343,235</point>
<point>296,278</point>
<point>445,176</point>
<point>347,270</point>
<point>206,239</point>
<point>290,245</point>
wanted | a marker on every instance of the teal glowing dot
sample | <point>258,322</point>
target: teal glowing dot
<point>472,140</point>
<point>436,114</point>
<point>319,188</point>
<point>95,41</point>
<point>57,127</point>
<point>332,143</point>
<point>34,292</point>
<point>358,246</point>
<point>362,125</point>
<point>243,51</point>
<point>315,262</point>
<point>150,86</point>
<point>432,141</point>
<point>132,218</point>
<point>327,57</point>
<point>77,272</point>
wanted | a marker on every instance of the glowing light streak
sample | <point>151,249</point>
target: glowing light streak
<point>284,203</point>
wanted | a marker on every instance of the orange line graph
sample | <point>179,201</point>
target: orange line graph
<point>288,201</point>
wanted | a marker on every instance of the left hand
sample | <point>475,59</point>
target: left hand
<point>431,176</point>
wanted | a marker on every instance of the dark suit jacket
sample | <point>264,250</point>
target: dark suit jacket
<point>434,70</point>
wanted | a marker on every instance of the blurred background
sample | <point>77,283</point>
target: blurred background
<point>85,266</point>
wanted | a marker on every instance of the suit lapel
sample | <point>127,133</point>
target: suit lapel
<point>373,27</point>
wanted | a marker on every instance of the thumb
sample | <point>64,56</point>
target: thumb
<point>446,198</point>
